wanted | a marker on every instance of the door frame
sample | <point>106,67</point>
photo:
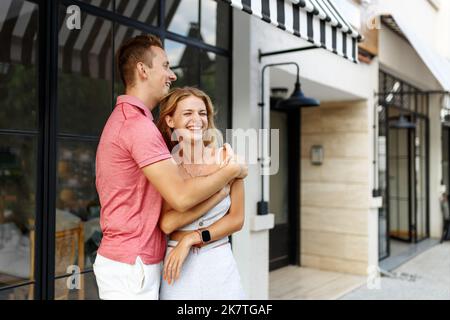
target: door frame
<point>294,184</point>
<point>412,180</point>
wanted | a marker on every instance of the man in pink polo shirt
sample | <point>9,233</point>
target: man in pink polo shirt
<point>134,171</point>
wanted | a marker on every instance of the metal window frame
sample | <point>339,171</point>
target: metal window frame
<point>48,135</point>
<point>416,114</point>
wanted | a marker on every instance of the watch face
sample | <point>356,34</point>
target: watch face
<point>206,236</point>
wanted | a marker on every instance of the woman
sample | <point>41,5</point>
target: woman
<point>195,266</point>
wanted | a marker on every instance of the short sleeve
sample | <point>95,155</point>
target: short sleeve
<point>142,139</point>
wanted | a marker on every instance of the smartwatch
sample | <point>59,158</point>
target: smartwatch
<point>205,235</point>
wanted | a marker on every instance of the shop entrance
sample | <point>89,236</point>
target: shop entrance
<point>402,166</point>
<point>407,186</point>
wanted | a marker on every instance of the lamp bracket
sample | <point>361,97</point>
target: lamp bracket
<point>271,53</point>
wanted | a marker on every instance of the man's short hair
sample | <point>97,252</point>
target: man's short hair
<point>132,51</point>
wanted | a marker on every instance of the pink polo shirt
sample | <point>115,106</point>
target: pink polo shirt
<point>130,204</point>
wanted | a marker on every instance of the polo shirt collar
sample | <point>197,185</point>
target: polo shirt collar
<point>135,102</point>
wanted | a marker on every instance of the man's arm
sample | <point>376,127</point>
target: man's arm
<point>183,194</point>
<point>171,220</point>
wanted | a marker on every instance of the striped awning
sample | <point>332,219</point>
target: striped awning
<point>317,21</point>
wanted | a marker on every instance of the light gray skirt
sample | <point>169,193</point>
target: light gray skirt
<point>209,273</point>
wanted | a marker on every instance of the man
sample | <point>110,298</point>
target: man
<point>134,171</point>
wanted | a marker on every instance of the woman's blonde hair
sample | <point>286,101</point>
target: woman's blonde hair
<point>169,104</point>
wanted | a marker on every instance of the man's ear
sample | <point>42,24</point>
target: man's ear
<point>141,70</point>
<point>169,121</point>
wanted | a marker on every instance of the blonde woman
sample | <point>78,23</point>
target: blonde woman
<point>199,263</point>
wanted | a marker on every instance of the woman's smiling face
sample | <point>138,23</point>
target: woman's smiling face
<point>191,114</point>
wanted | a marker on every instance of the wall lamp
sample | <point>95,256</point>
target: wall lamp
<point>296,100</point>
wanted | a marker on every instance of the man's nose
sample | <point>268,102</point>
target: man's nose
<point>173,76</point>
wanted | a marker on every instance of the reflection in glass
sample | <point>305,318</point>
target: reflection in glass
<point>19,293</point>
<point>142,10</point>
<point>399,187</point>
<point>185,63</point>
<point>383,246</point>
<point>122,33</point>
<point>18,56</point>
<point>84,104</point>
<point>214,80</point>
<point>279,188</point>
<point>18,153</point>
<point>205,20</point>
<point>77,287</point>
<point>78,231</point>
<point>421,167</point>
<point>104,4</point>
<point>206,70</point>
<point>84,80</point>
<point>17,208</point>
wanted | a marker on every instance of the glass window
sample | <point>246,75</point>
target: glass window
<point>215,82</point>
<point>78,232</point>
<point>18,73</point>
<point>18,152</point>
<point>77,287</point>
<point>205,70</point>
<point>25,292</point>
<point>142,10</point>
<point>17,208</point>
<point>85,91</point>
<point>206,20</point>
<point>122,33</point>
<point>85,77</point>
<point>104,4</point>
<point>185,62</point>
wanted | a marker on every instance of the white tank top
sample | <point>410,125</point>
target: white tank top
<point>211,216</point>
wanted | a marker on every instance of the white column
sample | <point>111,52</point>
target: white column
<point>251,244</point>
<point>435,166</point>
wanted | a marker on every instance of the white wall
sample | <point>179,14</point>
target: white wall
<point>400,59</point>
<point>435,166</point>
<point>250,246</point>
<point>426,27</point>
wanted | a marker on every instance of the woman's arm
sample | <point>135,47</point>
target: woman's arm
<point>227,225</point>
<point>233,221</point>
<point>171,220</point>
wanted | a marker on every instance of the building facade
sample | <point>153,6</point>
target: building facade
<point>350,180</point>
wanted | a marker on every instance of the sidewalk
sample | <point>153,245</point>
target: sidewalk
<point>299,283</point>
<point>426,277</point>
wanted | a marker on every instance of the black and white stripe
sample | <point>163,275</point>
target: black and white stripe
<point>88,51</point>
<point>317,21</point>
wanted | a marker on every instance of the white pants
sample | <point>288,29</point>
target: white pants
<point>122,281</point>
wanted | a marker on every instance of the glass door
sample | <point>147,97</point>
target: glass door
<point>383,222</point>
<point>399,182</point>
<point>284,203</point>
<point>421,222</point>
<point>279,197</point>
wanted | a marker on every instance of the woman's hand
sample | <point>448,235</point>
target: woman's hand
<point>176,257</point>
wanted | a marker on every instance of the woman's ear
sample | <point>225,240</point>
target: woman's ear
<point>169,121</point>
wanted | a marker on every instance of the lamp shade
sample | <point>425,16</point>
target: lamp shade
<point>297,100</point>
<point>402,123</point>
